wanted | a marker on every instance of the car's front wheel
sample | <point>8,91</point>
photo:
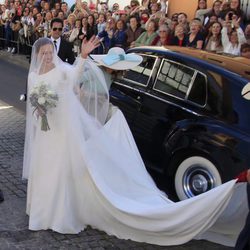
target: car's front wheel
<point>195,175</point>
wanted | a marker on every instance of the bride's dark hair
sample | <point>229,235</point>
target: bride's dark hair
<point>41,42</point>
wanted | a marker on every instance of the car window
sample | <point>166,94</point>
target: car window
<point>141,74</point>
<point>173,79</point>
<point>181,81</point>
<point>198,91</point>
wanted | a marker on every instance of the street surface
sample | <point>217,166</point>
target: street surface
<point>14,233</point>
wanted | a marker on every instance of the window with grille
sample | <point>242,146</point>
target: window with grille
<point>179,80</point>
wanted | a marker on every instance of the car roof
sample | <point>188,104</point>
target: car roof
<point>236,64</point>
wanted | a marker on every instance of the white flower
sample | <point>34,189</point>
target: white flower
<point>41,100</point>
<point>50,93</point>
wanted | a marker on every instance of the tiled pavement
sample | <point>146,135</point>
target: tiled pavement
<point>14,233</point>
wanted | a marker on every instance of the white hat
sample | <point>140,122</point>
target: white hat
<point>246,91</point>
<point>117,59</point>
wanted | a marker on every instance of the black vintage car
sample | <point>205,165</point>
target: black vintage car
<point>185,110</point>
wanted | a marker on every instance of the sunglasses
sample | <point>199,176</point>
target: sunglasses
<point>55,29</point>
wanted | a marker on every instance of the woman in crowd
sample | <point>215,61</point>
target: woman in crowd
<point>91,27</point>
<point>107,36</point>
<point>213,40</point>
<point>74,37</point>
<point>233,7</point>
<point>69,24</point>
<point>232,38</point>
<point>180,38</point>
<point>147,37</point>
<point>143,19</point>
<point>101,25</point>
<point>47,26</point>
<point>119,37</point>
<point>195,38</point>
<point>204,14</point>
<point>201,10</point>
<point>83,31</point>
<point>164,37</point>
<point>133,31</point>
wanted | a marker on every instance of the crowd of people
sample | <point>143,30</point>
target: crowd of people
<point>222,28</point>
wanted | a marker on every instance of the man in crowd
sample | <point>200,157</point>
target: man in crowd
<point>245,50</point>
<point>64,49</point>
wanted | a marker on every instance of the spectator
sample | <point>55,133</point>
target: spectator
<point>182,19</point>
<point>164,36</point>
<point>15,24</point>
<point>144,18</point>
<point>61,15</point>
<point>83,30</point>
<point>74,37</point>
<point>64,8</point>
<point>63,48</point>
<point>180,38</point>
<point>213,40</point>
<point>54,13</point>
<point>68,26</point>
<point>232,40</point>
<point>174,22</point>
<point>38,26</point>
<point>134,30</point>
<point>154,8</point>
<point>247,33</point>
<point>147,37</point>
<point>91,27</point>
<point>119,37</point>
<point>47,26</point>
<point>24,22</point>
<point>4,22</point>
<point>195,38</point>
<point>115,7</point>
<point>245,50</point>
<point>201,10</point>
<point>205,14</point>
<point>101,25</point>
<point>145,4</point>
<point>210,19</point>
<point>107,36</point>
<point>234,7</point>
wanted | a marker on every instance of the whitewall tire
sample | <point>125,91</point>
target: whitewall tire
<point>195,175</point>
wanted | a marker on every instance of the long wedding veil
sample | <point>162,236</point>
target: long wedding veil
<point>88,85</point>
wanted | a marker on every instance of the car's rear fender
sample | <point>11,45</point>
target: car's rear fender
<point>225,149</point>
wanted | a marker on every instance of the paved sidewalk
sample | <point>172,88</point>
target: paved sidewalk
<point>14,233</point>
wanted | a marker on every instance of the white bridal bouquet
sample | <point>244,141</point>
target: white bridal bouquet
<point>42,98</point>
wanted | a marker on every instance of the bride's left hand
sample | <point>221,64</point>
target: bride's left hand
<point>88,46</point>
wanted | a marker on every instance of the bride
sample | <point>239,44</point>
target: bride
<point>83,170</point>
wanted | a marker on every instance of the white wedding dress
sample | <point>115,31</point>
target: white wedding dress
<point>82,173</point>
